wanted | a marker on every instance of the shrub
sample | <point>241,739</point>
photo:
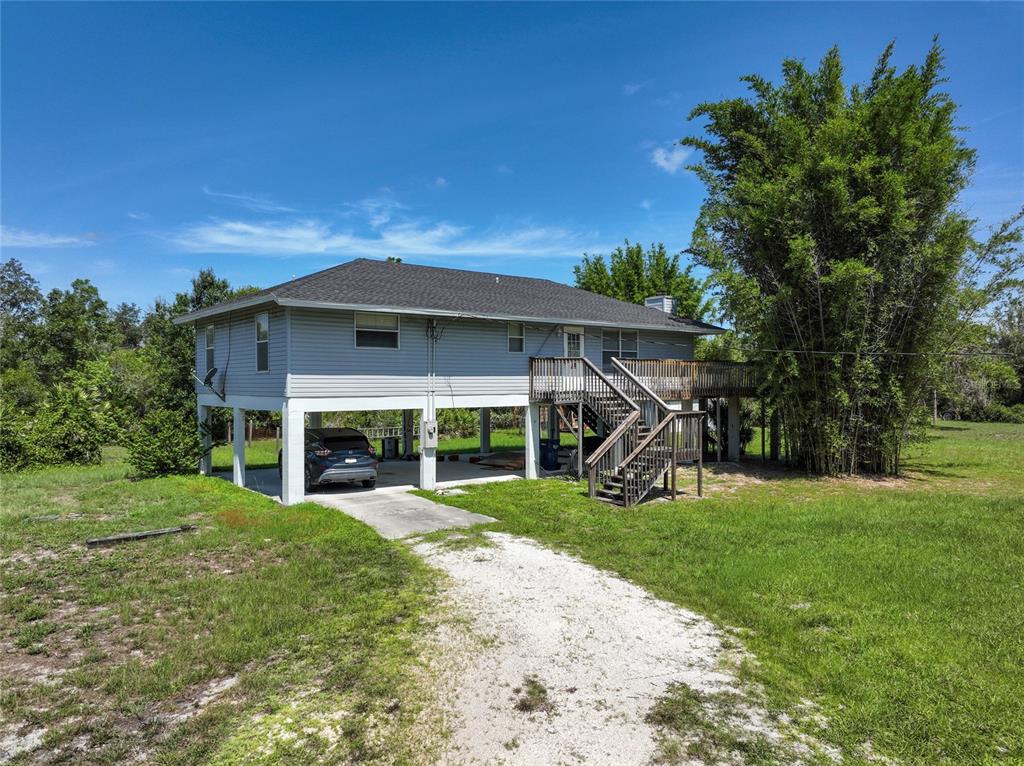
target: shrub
<point>17,450</point>
<point>66,429</point>
<point>163,443</point>
<point>458,422</point>
<point>1000,413</point>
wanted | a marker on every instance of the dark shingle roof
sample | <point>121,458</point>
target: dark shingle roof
<point>375,284</point>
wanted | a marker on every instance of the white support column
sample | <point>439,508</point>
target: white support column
<point>428,458</point>
<point>206,461</point>
<point>485,429</point>
<point>238,434</point>
<point>316,420</point>
<point>532,435</point>
<point>734,428</point>
<point>407,433</point>
<point>293,452</point>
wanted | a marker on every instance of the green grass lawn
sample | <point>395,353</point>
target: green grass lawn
<point>896,607</point>
<point>263,452</point>
<point>130,650</point>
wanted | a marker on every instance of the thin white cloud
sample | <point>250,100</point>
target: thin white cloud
<point>670,98</point>
<point>250,201</point>
<point>632,88</point>
<point>502,169</point>
<point>12,237</point>
<point>139,216</point>
<point>670,159</point>
<point>376,211</point>
<point>403,239</point>
<point>441,182</point>
<point>646,204</point>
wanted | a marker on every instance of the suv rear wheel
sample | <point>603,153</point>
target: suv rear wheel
<point>307,482</point>
<point>369,483</point>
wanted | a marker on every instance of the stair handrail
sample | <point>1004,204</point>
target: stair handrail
<point>610,439</point>
<point>658,402</point>
<point>664,423</point>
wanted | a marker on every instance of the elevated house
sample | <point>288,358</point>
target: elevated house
<point>375,335</point>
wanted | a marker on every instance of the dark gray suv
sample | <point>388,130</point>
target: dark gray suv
<point>337,456</point>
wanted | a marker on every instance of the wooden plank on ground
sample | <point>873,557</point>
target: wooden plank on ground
<point>128,537</point>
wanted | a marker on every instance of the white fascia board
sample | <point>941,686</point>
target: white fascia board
<point>245,303</point>
<point>267,403</point>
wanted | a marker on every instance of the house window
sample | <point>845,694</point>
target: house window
<point>516,337</point>
<point>211,341</point>
<point>262,342</point>
<point>377,330</point>
<point>621,344</point>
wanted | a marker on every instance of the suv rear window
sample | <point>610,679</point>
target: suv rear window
<point>336,443</point>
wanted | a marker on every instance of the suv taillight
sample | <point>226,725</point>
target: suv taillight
<point>370,449</point>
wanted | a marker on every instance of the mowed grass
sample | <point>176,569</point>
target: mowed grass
<point>268,635</point>
<point>895,607</point>
<point>263,452</point>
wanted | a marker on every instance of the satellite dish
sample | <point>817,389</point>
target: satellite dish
<point>208,379</point>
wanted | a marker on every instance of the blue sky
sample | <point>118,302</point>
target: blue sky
<point>142,142</point>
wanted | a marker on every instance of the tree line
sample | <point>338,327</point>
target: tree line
<point>77,374</point>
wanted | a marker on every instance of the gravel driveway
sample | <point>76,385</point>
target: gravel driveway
<point>602,650</point>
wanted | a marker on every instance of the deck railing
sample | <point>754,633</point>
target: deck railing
<point>676,379</point>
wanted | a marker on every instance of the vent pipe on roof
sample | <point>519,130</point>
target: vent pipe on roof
<point>664,303</point>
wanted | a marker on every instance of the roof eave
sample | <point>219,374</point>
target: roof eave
<point>224,308</point>
<point>196,316</point>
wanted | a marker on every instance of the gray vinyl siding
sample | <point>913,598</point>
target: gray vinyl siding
<point>652,345</point>
<point>235,355</point>
<point>326,362</point>
<point>472,357</point>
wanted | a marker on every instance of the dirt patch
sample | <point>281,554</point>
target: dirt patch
<point>726,478</point>
<point>237,519</point>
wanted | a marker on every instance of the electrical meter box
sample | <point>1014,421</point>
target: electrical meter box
<point>428,434</point>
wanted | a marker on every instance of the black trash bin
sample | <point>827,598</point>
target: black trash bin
<point>549,454</point>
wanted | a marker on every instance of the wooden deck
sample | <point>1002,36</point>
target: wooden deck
<point>675,379</point>
<point>671,379</point>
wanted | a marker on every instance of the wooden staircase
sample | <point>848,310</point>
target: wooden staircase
<point>645,438</point>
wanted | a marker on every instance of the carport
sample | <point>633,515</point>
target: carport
<point>392,476</point>
<point>429,471</point>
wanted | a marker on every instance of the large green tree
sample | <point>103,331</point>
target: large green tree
<point>832,231</point>
<point>19,312</point>
<point>632,274</point>
<point>169,349</point>
<point>75,326</point>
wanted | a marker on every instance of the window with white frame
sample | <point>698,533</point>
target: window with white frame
<point>622,344</point>
<point>211,343</point>
<point>516,337</point>
<point>262,342</point>
<point>377,330</point>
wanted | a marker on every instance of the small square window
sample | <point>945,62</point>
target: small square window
<point>377,330</point>
<point>516,337</point>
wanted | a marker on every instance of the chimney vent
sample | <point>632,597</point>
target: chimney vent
<point>664,303</point>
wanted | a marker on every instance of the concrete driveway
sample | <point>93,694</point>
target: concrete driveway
<point>389,508</point>
<point>398,514</point>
